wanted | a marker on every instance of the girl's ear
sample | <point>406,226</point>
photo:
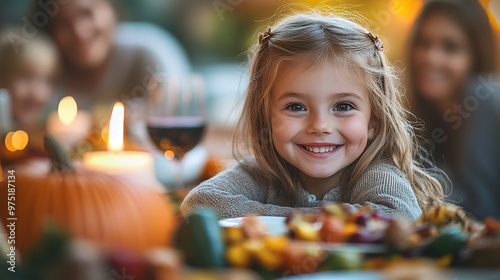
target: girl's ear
<point>372,128</point>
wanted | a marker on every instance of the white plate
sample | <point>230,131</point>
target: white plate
<point>456,274</point>
<point>275,225</point>
<point>338,275</point>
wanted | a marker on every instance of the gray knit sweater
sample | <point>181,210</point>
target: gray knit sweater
<point>241,191</point>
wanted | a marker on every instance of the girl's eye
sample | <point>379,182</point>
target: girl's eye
<point>343,107</point>
<point>295,107</point>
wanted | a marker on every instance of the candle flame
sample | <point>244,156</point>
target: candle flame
<point>115,140</point>
<point>67,110</point>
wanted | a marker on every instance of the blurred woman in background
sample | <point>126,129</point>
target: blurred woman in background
<point>452,60</point>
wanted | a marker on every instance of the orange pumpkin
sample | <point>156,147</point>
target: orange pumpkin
<point>94,206</point>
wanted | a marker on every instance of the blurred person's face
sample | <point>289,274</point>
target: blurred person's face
<point>30,87</point>
<point>442,58</point>
<point>84,29</point>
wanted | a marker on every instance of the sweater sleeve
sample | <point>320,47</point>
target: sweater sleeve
<point>383,187</point>
<point>234,193</point>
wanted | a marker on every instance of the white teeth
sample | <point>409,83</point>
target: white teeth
<point>320,150</point>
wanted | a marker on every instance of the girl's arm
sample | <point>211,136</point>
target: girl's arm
<point>235,193</point>
<point>383,187</point>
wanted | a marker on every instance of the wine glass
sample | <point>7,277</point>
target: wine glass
<point>176,117</point>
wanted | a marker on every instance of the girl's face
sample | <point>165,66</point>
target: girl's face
<point>321,118</point>
<point>442,58</point>
<point>30,88</point>
<point>84,29</point>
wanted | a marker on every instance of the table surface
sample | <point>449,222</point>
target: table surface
<point>451,274</point>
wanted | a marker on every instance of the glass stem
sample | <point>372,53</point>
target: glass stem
<point>177,170</point>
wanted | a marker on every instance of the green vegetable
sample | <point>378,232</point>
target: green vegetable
<point>450,240</point>
<point>201,241</point>
<point>43,259</point>
<point>343,260</point>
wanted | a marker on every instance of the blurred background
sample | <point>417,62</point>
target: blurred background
<point>214,32</point>
<point>211,38</point>
<point>82,71</point>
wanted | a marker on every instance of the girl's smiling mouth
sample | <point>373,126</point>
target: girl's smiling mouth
<point>320,149</point>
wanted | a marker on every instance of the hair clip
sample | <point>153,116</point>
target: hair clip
<point>377,41</point>
<point>264,37</point>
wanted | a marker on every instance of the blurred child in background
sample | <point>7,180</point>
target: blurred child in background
<point>28,73</point>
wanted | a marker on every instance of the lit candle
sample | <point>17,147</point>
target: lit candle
<point>135,165</point>
<point>68,125</point>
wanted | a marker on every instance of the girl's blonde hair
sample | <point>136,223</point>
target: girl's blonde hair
<point>335,39</point>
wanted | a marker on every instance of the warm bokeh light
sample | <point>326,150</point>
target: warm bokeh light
<point>67,110</point>
<point>169,154</point>
<point>8,142</point>
<point>116,123</point>
<point>406,10</point>
<point>494,11</point>
<point>105,134</point>
<point>16,141</point>
<point>20,140</point>
<point>492,8</point>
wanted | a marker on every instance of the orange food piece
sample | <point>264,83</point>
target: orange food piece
<point>415,239</point>
<point>492,226</point>
<point>332,230</point>
<point>233,234</point>
<point>350,229</point>
<point>252,228</point>
<point>269,259</point>
<point>239,256</point>
<point>276,243</point>
<point>444,261</point>
<point>297,260</point>
<point>305,231</point>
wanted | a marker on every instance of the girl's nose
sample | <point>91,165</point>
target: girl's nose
<point>320,123</point>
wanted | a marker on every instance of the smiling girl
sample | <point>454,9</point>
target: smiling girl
<point>324,121</point>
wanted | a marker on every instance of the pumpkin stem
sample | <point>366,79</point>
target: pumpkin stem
<point>60,160</point>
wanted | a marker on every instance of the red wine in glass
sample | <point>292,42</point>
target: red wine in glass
<point>178,134</point>
<point>175,117</point>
